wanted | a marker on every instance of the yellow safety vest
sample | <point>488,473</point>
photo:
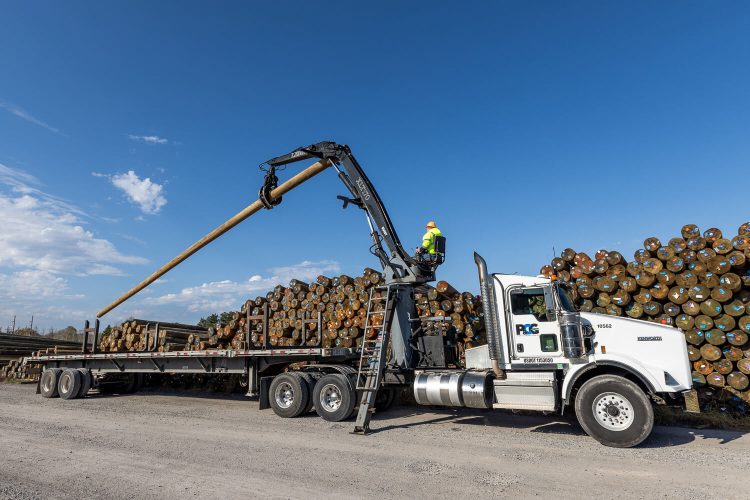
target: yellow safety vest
<point>428,240</point>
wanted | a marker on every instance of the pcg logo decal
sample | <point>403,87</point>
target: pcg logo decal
<point>527,329</point>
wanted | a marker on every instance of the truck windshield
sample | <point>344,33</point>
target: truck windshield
<point>565,301</point>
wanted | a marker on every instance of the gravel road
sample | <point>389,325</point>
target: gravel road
<point>161,445</point>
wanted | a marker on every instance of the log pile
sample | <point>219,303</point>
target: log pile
<point>697,282</point>
<point>22,345</point>
<point>18,369</point>
<point>139,335</point>
<point>334,309</point>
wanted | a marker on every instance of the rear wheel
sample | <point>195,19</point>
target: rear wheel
<point>288,395</point>
<point>48,383</point>
<point>334,398</point>
<point>614,411</point>
<point>310,381</point>
<point>136,382</point>
<point>70,383</point>
<point>85,382</point>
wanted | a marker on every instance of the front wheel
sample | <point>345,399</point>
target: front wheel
<point>614,411</point>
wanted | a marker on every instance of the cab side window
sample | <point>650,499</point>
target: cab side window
<point>529,301</point>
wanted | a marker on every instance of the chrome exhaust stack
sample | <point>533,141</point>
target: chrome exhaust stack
<point>491,324</point>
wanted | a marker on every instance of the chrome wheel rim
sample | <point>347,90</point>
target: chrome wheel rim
<point>65,384</point>
<point>613,411</point>
<point>284,395</point>
<point>47,386</point>
<point>330,398</point>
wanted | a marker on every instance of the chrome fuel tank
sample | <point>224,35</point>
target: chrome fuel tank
<point>471,389</point>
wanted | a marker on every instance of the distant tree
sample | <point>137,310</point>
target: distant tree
<point>27,332</point>
<point>209,321</point>
<point>215,319</point>
<point>69,333</point>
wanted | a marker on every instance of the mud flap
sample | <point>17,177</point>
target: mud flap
<point>263,401</point>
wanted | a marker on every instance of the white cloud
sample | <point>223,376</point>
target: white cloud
<point>148,195</point>
<point>25,115</point>
<point>31,284</point>
<point>40,232</point>
<point>227,294</point>
<point>149,139</point>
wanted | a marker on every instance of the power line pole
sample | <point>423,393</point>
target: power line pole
<point>31,326</point>
<point>14,324</point>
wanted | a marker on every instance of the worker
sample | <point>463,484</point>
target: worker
<point>427,252</point>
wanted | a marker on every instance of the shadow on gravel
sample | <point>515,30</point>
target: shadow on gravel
<point>184,393</point>
<point>485,418</point>
<point>546,424</point>
<point>675,436</point>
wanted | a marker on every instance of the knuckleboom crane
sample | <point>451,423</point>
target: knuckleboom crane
<point>401,271</point>
<point>399,266</point>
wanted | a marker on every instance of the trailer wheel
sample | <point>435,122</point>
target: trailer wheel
<point>135,382</point>
<point>334,398</point>
<point>70,383</point>
<point>85,382</point>
<point>288,395</point>
<point>310,381</point>
<point>614,411</point>
<point>48,383</point>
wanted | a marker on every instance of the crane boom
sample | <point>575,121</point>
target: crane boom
<point>399,267</point>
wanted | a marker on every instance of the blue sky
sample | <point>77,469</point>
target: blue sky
<point>518,126</point>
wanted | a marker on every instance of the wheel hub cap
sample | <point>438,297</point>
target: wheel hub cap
<point>613,411</point>
<point>330,398</point>
<point>284,395</point>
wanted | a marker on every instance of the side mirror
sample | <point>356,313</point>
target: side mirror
<point>549,304</point>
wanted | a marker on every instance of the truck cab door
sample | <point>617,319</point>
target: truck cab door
<point>534,331</point>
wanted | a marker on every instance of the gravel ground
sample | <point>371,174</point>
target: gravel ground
<point>164,445</point>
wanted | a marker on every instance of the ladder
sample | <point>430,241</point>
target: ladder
<point>372,361</point>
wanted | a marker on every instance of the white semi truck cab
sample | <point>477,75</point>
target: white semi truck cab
<point>544,355</point>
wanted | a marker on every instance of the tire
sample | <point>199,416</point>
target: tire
<point>70,383</point>
<point>288,395</point>
<point>310,381</point>
<point>135,382</point>
<point>614,411</point>
<point>85,382</point>
<point>48,383</point>
<point>334,398</point>
<point>384,399</point>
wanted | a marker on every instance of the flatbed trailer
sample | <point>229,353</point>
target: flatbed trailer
<point>284,379</point>
<point>250,363</point>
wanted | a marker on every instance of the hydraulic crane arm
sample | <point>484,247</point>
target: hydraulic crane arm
<point>399,266</point>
